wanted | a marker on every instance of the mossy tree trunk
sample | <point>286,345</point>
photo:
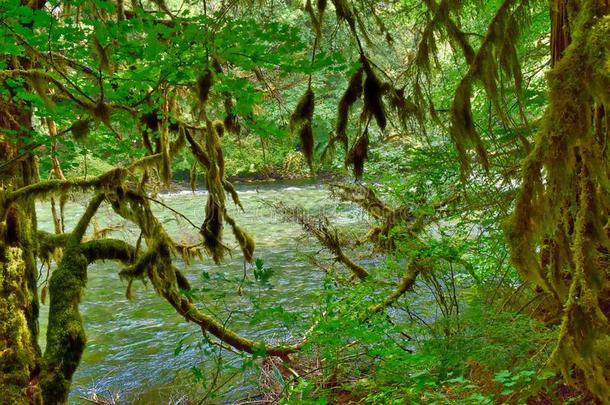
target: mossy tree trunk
<point>20,354</point>
<point>559,234</point>
<point>19,350</point>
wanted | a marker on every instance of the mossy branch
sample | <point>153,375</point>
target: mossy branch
<point>108,249</point>
<point>110,179</point>
<point>414,267</point>
<point>85,219</point>
<point>65,333</point>
<point>324,232</point>
<point>218,329</point>
<point>168,280</point>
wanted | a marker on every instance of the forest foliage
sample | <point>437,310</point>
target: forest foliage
<point>473,134</point>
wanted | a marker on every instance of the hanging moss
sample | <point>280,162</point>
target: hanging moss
<point>321,6</point>
<point>204,84</point>
<point>233,193</point>
<point>316,22</point>
<point>349,97</point>
<point>344,13</point>
<point>245,241</point>
<point>80,129</point>
<point>166,159</point>
<point>211,230</point>
<point>358,154</point>
<point>230,121</point>
<point>150,126</point>
<point>558,233</point>
<point>302,119</point>
<point>40,84</point>
<point>193,177</point>
<point>405,109</point>
<point>303,111</point>
<point>102,54</point>
<point>373,91</point>
<point>497,53</point>
<point>219,128</point>
<point>307,143</point>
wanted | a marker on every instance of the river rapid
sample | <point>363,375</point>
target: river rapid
<point>142,351</point>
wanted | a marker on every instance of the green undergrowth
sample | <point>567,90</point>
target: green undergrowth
<point>487,357</point>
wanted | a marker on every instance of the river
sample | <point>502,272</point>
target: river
<point>141,351</point>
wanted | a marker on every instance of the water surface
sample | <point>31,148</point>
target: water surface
<point>132,345</point>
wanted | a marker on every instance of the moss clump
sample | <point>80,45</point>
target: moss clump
<point>204,84</point>
<point>351,95</point>
<point>18,358</point>
<point>302,118</point>
<point>373,91</point>
<point>358,154</point>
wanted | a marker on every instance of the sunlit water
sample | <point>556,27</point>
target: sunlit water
<point>131,349</point>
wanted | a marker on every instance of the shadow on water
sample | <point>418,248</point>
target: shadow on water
<point>141,351</point>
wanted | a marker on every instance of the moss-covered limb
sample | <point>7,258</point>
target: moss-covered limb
<point>65,334</point>
<point>81,227</point>
<point>38,74</point>
<point>49,245</point>
<point>407,282</point>
<point>355,268</point>
<point>218,329</point>
<point>363,196</point>
<point>167,280</point>
<point>110,179</point>
<point>48,241</point>
<point>324,232</point>
<point>109,249</point>
<point>139,268</point>
<point>97,249</point>
<point>583,302</point>
<point>380,235</point>
<point>198,150</point>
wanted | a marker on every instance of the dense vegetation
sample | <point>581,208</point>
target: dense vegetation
<point>473,134</point>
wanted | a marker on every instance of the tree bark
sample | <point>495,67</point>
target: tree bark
<point>19,349</point>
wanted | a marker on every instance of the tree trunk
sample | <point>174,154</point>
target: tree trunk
<point>19,349</point>
<point>560,29</point>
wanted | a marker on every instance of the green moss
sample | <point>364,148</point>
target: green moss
<point>18,358</point>
<point>557,235</point>
<point>65,334</point>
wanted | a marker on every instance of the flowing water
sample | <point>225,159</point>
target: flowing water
<point>141,351</point>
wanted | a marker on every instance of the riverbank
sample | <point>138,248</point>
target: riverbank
<point>181,181</point>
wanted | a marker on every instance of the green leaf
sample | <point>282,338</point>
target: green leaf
<point>197,373</point>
